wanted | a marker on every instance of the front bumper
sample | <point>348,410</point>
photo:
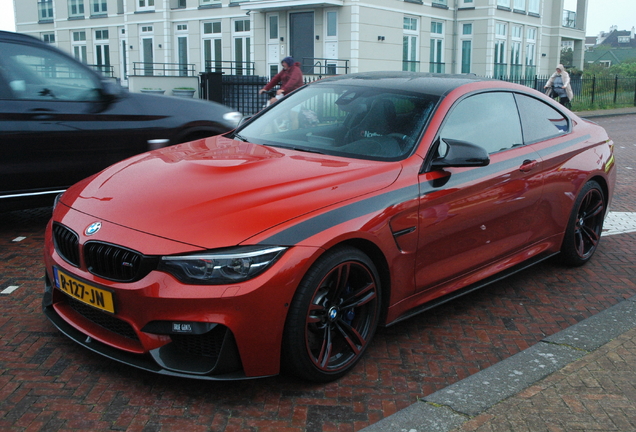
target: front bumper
<point>170,359</point>
<point>161,325</point>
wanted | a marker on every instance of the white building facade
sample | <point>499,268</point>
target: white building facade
<point>519,38</point>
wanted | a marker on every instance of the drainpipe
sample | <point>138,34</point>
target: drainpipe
<point>455,27</point>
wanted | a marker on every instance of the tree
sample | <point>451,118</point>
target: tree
<point>567,57</point>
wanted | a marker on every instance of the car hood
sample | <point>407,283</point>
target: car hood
<point>218,192</point>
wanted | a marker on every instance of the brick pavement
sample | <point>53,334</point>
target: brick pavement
<point>48,383</point>
<point>597,392</point>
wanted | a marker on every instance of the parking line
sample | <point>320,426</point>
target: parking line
<point>10,289</point>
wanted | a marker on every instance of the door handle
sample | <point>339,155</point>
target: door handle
<point>528,165</point>
<point>42,114</point>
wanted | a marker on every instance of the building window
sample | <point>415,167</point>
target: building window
<point>441,2</point>
<point>623,39</point>
<point>242,41</point>
<point>48,37</point>
<point>534,6</point>
<point>504,3</point>
<point>436,63</point>
<point>79,45</point>
<point>212,46</point>
<point>45,10</point>
<point>410,38</point>
<point>520,5</point>
<point>531,48</point>
<point>145,5</point>
<point>332,23</point>
<point>515,59</point>
<point>98,7</point>
<point>102,52</point>
<point>466,55</point>
<point>209,2</point>
<point>467,29</point>
<point>501,67</point>
<point>75,8</point>
<point>516,65</point>
<point>501,29</point>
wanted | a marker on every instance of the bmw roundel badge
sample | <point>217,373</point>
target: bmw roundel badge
<point>93,228</point>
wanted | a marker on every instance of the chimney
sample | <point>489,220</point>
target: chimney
<point>632,34</point>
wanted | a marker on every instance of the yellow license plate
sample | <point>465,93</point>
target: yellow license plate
<point>96,297</point>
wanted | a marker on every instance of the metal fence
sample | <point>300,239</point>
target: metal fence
<point>595,91</point>
<point>241,91</point>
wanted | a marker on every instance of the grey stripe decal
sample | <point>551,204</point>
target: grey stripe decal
<point>303,230</point>
<point>315,225</point>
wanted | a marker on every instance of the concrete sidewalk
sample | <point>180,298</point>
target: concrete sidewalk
<point>582,378</point>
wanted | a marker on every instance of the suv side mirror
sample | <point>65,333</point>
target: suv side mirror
<point>461,154</point>
<point>111,89</point>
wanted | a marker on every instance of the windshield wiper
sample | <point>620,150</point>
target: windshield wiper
<point>301,149</point>
<point>239,137</point>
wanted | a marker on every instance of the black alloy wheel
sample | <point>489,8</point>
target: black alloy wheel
<point>585,225</point>
<point>333,316</point>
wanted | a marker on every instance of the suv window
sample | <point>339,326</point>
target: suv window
<point>36,73</point>
<point>489,120</point>
<point>540,121</point>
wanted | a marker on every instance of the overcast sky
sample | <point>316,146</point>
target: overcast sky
<point>601,14</point>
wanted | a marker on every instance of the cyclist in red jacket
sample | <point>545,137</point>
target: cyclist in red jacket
<point>290,78</point>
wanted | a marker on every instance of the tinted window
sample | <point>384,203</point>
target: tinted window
<point>41,74</point>
<point>540,121</point>
<point>365,122</point>
<point>489,120</point>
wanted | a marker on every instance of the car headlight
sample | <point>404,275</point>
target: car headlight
<point>233,118</point>
<point>221,267</point>
<point>57,199</point>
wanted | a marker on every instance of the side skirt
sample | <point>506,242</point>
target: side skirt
<point>470,288</point>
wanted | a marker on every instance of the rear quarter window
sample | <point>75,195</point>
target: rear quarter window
<point>539,120</point>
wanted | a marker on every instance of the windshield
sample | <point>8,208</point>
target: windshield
<point>360,122</point>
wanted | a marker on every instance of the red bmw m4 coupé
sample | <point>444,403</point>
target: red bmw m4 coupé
<point>354,202</point>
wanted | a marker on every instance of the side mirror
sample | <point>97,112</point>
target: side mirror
<point>461,154</point>
<point>111,89</point>
<point>243,121</point>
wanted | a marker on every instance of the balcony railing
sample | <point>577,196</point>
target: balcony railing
<point>230,67</point>
<point>324,66</point>
<point>106,70</point>
<point>569,19</point>
<point>410,66</point>
<point>163,69</point>
<point>435,67</point>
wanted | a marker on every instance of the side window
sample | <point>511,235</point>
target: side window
<point>34,73</point>
<point>540,121</point>
<point>489,120</point>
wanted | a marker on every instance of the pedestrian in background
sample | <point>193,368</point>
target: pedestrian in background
<point>559,86</point>
<point>290,78</point>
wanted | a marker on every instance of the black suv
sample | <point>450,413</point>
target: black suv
<point>60,121</point>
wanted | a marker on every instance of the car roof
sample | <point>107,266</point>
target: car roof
<point>7,35</point>
<point>419,82</point>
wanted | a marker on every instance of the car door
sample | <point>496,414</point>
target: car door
<point>61,127</point>
<point>470,217</point>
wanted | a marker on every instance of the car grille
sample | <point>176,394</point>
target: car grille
<point>103,319</point>
<point>113,262</point>
<point>66,244</point>
<point>207,345</point>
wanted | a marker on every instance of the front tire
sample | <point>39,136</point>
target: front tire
<point>333,316</point>
<point>584,227</point>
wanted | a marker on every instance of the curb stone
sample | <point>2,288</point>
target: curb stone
<point>454,405</point>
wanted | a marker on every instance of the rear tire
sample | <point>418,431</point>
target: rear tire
<point>584,227</point>
<point>333,316</point>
